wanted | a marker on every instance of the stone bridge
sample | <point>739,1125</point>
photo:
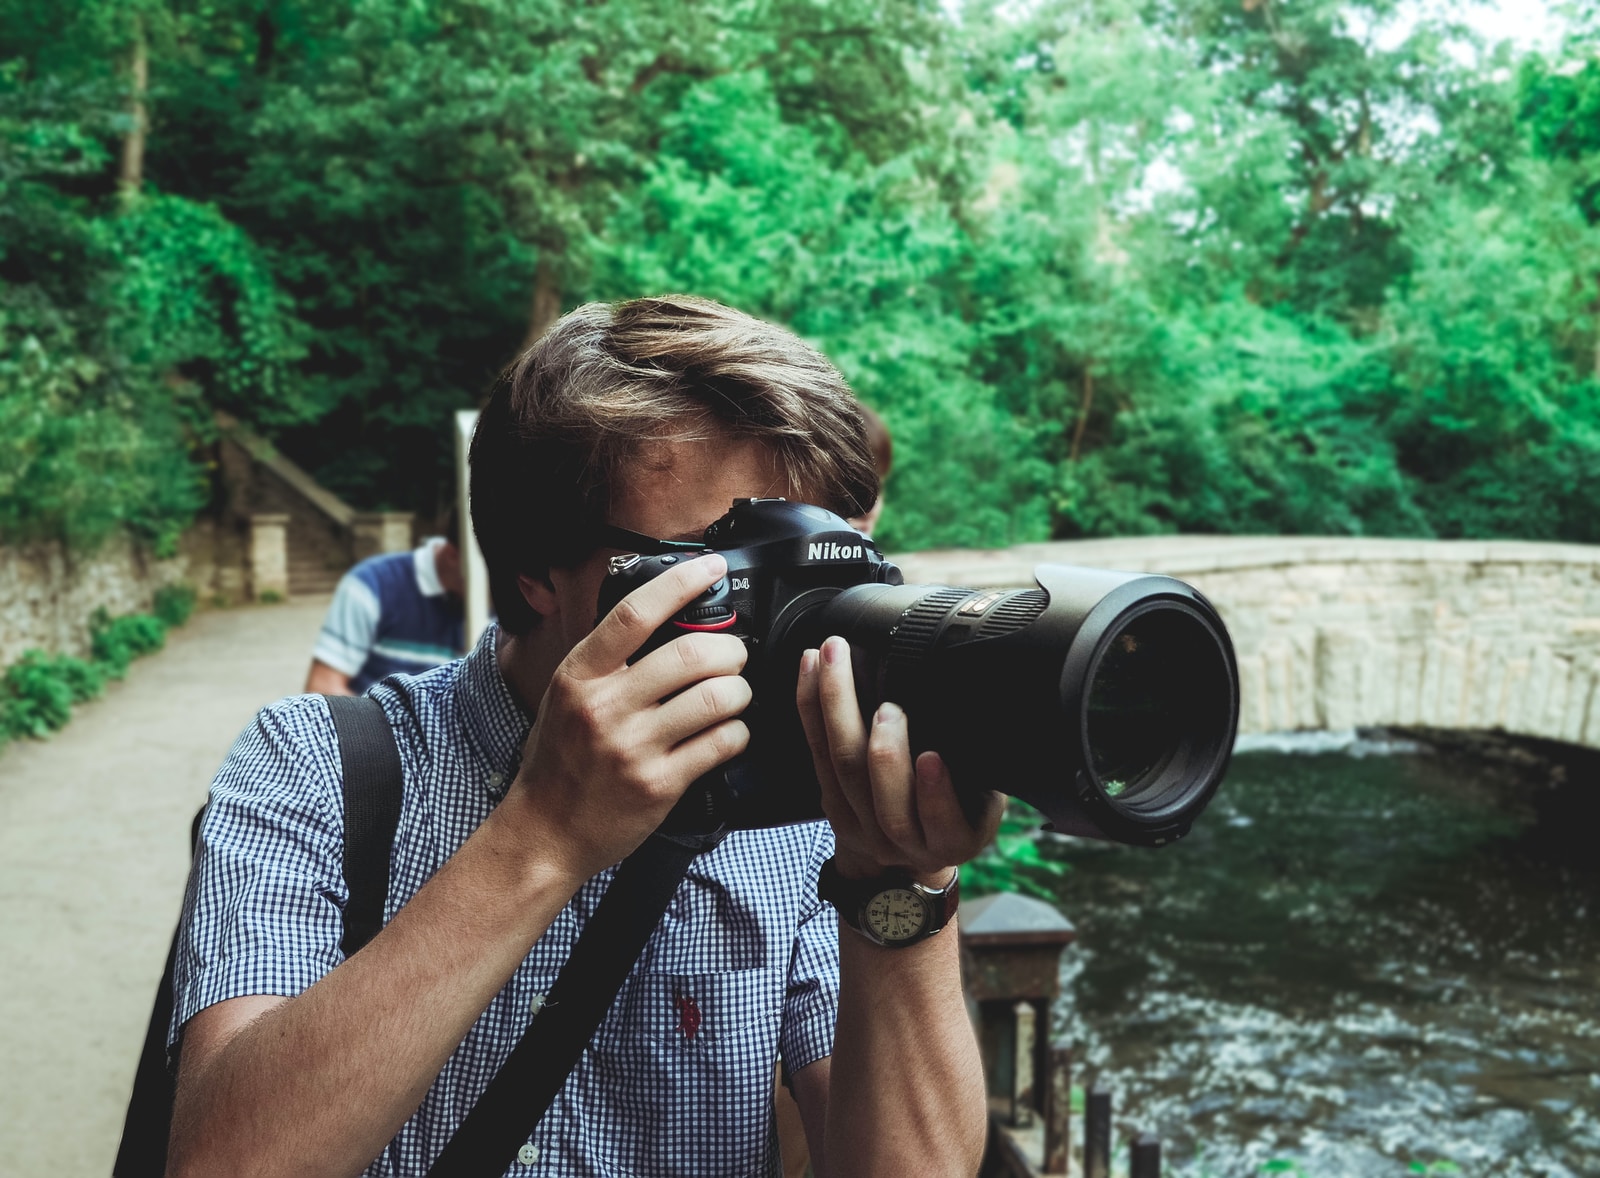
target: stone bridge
<point>1341,632</point>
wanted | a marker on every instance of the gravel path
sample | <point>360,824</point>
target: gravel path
<point>94,828</point>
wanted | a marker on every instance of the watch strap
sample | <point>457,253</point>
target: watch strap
<point>851,896</point>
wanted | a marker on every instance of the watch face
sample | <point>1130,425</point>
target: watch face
<point>895,914</point>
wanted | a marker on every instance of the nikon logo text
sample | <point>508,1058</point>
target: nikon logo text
<point>828,551</point>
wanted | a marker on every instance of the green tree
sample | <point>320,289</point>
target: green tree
<point>863,258</point>
<point>121,311</point>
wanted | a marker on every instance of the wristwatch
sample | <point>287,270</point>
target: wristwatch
<point>892,910</point>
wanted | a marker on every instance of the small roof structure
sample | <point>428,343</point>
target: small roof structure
<point>1011,919</point>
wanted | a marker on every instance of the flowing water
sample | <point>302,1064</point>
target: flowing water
<point>1356,965</point>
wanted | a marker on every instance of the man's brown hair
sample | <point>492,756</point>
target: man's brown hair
<point>608,380</point>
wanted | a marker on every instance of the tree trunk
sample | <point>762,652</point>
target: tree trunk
<point>130,177</point>
<point>1083,415</point>
<point>546,301</point>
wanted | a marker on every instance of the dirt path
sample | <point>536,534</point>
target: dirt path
<point>94,830</point>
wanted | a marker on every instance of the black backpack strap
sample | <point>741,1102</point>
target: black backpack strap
<point>142,1152</point>
<point>372,793</point>
<point>509,1109</point>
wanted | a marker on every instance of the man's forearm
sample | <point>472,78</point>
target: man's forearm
<point>906,1089</point>
<point>325,680</point>
<point>320,1083</point>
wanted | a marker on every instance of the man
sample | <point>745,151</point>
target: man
<point>539,762</point>
<point>396,613</point>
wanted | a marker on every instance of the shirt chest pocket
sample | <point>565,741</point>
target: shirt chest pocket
<point>685,1063</point>
<point>698,1012</point>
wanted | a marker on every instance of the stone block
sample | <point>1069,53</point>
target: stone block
<point>1254,703</point>
<point>376,532</point>
<point>1536,692</point>
<point>1428,689</point>
<point>1589,726</point>
<point>1340,654</point>
<point>1580,695</point>
<point>1556,671</point>
<point>1381,691</point>
<point>1513,694</point>
<point>1476,655</point>
<point>1320,578</point>
<point>1287,707</point>
<point>1303,645</point>
<point>1445,703</point>
<point>269,555</point>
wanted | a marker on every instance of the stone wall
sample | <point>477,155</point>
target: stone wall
<point>1339,633</point>
<point>47,594</point>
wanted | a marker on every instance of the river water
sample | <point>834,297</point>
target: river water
<point>1356,965</point>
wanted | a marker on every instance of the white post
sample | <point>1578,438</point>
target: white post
<point>474,572</point>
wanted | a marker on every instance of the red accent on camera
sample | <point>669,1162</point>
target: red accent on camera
<point>723,625</point>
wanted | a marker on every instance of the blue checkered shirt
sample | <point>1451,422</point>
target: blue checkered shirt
<point>678,1079</point>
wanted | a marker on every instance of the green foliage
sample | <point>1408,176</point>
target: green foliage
<point>86,441</point>
<point>38,691</point>
<point>1334,273</point>
<point>193,294</point>
<point>116,642</point>
<point>1012,863</point>
<point>173,604</point>
<point>847,234</point>
<point>100,309</point>
<point>1561,109</point>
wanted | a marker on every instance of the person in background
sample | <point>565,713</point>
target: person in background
<point>395,613</point>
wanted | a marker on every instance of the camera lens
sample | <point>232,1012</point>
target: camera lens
<point>1131,726</point>
<point>1152,706</point>
<point>1106,700</point>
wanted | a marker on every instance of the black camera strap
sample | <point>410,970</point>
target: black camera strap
<point>510,1108</point>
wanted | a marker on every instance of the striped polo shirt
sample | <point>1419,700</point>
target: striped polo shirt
<point>390,615</point>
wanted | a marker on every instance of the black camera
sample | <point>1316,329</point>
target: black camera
<point>1106,700</point>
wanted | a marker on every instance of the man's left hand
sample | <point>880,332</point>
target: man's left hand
<point>886,809</point>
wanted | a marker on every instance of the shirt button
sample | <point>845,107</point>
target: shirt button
<point>534,1007</point>
<point>528,1154</point>
<point>496,780</point>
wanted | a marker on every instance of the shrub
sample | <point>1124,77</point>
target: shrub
<point>116,642</point>
<point>173,604</point>
<point>38,691</point>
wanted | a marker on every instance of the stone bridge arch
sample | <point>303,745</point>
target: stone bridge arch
<point>1345,632</point>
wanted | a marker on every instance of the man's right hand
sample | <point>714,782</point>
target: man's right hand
<point>616,745</point>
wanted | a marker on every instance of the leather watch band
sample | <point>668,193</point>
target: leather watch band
<point>892,909</point>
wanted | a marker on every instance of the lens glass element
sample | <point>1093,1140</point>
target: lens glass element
<point>1141,704</point>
